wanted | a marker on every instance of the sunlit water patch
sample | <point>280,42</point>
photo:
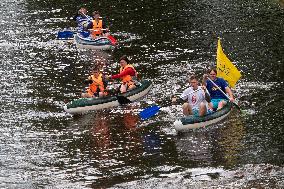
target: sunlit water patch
<point>249,176</point>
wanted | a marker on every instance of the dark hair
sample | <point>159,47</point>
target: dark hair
<point>192,77</point>
<point>212,69</point>
<point>124,57</point>
<point>96,12</point>
<point>82,9</point>
<point>95,68</point>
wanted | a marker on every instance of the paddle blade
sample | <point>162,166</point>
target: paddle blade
<point>112,39</point>
<point>149,112</point>
<point>122,99</point>
<point>65,35</point>
<point>85,34</point>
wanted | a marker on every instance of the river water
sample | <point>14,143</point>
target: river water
<point>41,146</point>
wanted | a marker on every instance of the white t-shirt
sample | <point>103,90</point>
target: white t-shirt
<point>194,98</point>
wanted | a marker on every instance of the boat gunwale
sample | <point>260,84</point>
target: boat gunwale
<point>181,125</point>
<point>216,114</point>
<point>92,42</point>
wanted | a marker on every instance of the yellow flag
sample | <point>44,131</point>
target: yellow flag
<point>225,68</point>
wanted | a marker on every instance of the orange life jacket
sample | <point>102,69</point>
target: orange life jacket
<point>128,78</point>
<point>97,84</point>
<point>97,27</point>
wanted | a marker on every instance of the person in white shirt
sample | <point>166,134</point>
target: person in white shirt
<point>197,99</point>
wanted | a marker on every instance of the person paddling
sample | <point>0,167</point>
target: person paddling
<point>97,85</point>
<point>84,22</point>
<point>197,99</point>
<point>218,99</point>
<point>98,26</point>
<point>127,74</point>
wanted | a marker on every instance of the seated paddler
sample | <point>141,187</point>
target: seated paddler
<point>127,74</point>
<point>218,99</point>
<point>96,85</point>
<point>196,99</point>
<point>84,22</point>
<point>98,26</point>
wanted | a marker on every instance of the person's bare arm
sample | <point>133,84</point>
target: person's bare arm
<point>204,79</point>
<point>230,93</point>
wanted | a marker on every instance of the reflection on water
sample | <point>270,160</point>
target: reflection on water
<point>151,143</point>
<point>101,134</point>
<point>195,146</point>
<point>229,140</point>
<point>213,145</point>
<point>281,2</point>
<point>114,147</point>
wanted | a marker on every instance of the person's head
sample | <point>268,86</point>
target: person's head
<point>96,14</point>
<point>82,11</point>
<point>123,61</point>
<point>212,72</point>
<point>95,71</point>
<point>193,81</point>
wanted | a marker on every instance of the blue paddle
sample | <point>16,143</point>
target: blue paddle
<point>64,35</point>
<point>149,112</point>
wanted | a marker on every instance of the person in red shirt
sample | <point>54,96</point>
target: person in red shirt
<point>127,74</point>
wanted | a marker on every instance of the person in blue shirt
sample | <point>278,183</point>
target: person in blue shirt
<point>84,22</point>
<point>218,99</point>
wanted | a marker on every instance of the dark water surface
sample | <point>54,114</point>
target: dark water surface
<point>41,146</point>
